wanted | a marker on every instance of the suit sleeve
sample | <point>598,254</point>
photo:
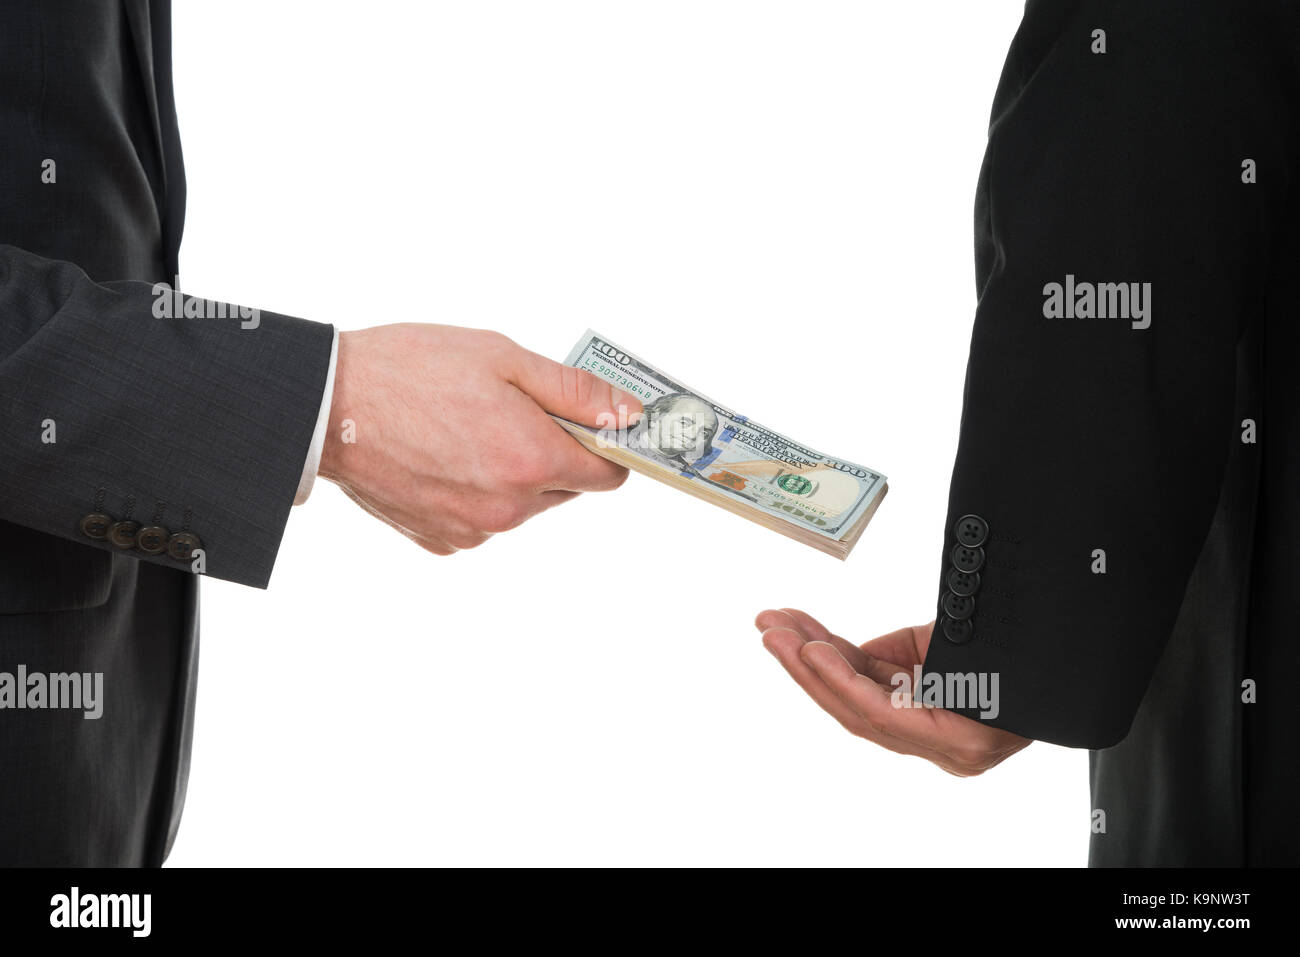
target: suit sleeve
<point>1123,227</point>
<point>132,426</point>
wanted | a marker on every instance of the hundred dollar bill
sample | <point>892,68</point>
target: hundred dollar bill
<point>689,441</point>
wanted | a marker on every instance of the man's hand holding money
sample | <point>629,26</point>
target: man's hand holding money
<point>443,432</point>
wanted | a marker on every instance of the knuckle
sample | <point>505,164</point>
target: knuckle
<point>467,540</point>
<point>502,516</point>
<point>971,759</point>
<point>465,533</point>
<point>597,480</point>
<point>855,728</point>
<point>493,340</point>
<point>498,350</point>
<point>604,479</point>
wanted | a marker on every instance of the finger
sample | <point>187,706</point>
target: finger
<point>874,720</point>
<point>785,644</point>
<point>399,523</point>
<point>934,738</point>
<point>485,513</point>
<point>902,647</point>
<point>572,394</point>
<point>798,655</point>
<point>550,459</point>
<point>555,497</point>
<point>574,469</point>
<point>816,631</point>
<point>792,655</point>
<point>451,535</point>
<point>813,630</point>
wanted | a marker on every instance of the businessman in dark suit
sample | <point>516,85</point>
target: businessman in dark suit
<point>147,438</point>
<point>1123,526</point>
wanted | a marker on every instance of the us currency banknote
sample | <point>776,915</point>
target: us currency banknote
<point>689,441</point>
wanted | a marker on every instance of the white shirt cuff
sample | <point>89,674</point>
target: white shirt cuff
<point>322,423</point>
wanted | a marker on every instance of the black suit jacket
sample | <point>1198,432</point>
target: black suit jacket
<point>197,426</point>
<point>1131,558</point>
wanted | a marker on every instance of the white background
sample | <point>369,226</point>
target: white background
<point>772,201</point>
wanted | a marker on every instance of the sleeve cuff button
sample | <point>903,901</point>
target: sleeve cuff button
<point>958,632</point>
<point>971,530</point>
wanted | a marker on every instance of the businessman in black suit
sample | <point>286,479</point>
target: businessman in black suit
<point>147,437</point>
<point>1123,525</point>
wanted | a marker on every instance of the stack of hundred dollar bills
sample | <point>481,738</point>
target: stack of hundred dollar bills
<point>690,442</point>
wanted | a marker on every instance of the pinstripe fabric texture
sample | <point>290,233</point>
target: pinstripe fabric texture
<point>180,421</point>
<point>188,423</point>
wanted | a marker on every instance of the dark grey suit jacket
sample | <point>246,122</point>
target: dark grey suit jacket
<point>184,427</point>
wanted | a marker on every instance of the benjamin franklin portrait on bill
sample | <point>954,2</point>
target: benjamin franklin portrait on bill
<point>675,430</point>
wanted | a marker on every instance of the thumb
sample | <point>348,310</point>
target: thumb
<point>573,394</point>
